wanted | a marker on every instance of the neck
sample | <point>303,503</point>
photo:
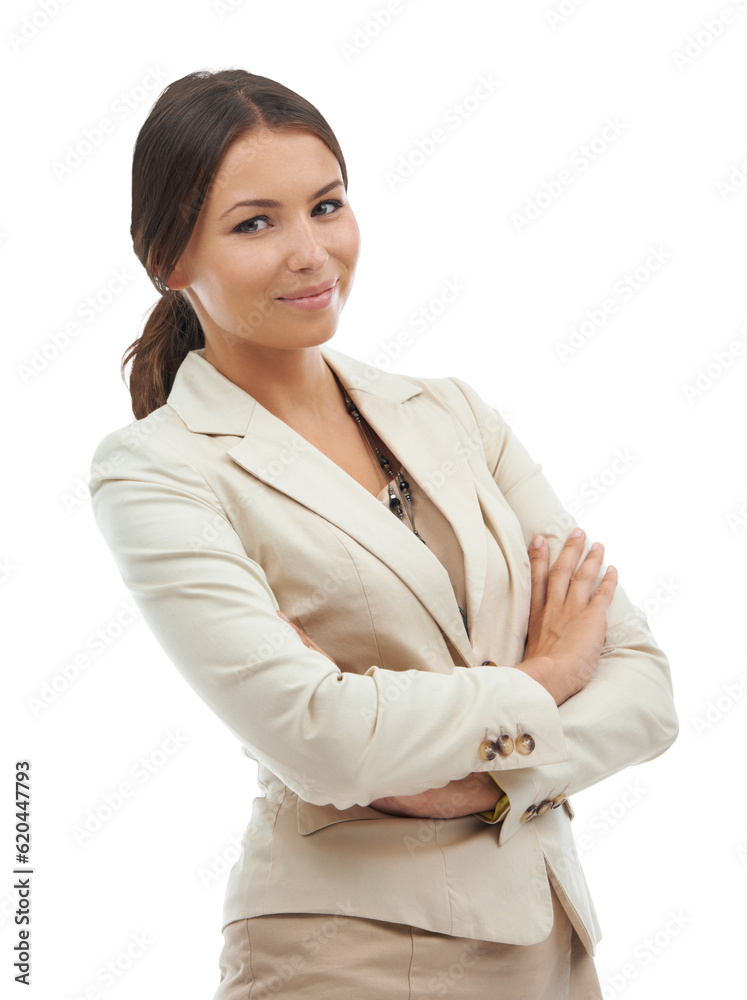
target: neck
<point>295,384</point>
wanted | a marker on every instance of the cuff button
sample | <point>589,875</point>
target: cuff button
<point>488,750</point>
<point>528,814</point>
<point>488,663</point>
<point>504,745</point>
<point>544,806</point>
<point>525,743</point>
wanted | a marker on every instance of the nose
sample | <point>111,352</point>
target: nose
<point>306,247</point>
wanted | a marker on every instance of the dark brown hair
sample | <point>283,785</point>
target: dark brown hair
<point>180,146</point>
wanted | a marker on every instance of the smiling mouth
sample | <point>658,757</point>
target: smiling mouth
<point>309,295</point>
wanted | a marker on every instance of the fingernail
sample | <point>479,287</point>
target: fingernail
<point>537,541</point>
<point>576,532</point>
<point>594,547</point>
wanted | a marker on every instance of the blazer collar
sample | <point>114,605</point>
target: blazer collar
<point>421,435</point>
<point>210,403</point>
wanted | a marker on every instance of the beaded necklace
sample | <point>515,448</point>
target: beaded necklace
<point>403,486</point>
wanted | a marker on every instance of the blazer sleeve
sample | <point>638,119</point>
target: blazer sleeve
<point>625,714</point>
<point>332,737</point>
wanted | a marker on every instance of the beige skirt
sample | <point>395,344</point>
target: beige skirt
<point>329,957</point>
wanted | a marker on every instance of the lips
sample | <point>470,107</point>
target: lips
<point>312,290</point>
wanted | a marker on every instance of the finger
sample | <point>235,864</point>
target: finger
<point>298,630</point>
<point>606,589</point>
<point>560,572</point>
<point>538,560</point>
<point>581,585</point>
<point>305,639</point>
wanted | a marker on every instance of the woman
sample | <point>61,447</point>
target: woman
<point>413,836</point>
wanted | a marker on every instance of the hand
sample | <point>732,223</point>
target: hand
<point>305,638</point>
<point>567,617</point>
<point>477,792</point>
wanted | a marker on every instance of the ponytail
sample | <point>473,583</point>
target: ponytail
<point>171,331</point>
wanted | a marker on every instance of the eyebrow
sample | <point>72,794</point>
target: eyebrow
<point>272,203</point>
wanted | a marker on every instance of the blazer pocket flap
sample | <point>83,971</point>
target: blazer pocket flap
<point>312,817</point>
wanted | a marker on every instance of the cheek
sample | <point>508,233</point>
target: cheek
<point>347,243</point>
<point>235,295</point>
<point>238,279</point>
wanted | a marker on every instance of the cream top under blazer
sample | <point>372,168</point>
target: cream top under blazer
<point>218,513</point>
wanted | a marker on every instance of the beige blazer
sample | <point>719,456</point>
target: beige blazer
<point>218,513</point>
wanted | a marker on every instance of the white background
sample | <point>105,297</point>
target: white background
<point>671,76</point>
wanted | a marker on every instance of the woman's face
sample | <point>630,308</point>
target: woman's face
<point>243,261</point>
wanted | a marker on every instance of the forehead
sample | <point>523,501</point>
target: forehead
<point>263,162</point>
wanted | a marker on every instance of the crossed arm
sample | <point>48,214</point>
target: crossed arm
<point>477,792</point>
<point>625,716</point>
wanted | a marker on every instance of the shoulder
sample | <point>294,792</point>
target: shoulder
<point>477,416</point>
<point>154,448</point>
<point>472,415</point>
<point>455,393</point>
<point>451,392</point>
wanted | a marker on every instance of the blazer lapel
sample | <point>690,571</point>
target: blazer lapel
<point>420,434</point>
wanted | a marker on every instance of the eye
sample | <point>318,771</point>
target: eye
<point>263,218</point>
<point>330,201</point>
<point>248,222</point>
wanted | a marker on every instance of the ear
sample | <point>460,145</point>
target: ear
<point>178,278</point>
